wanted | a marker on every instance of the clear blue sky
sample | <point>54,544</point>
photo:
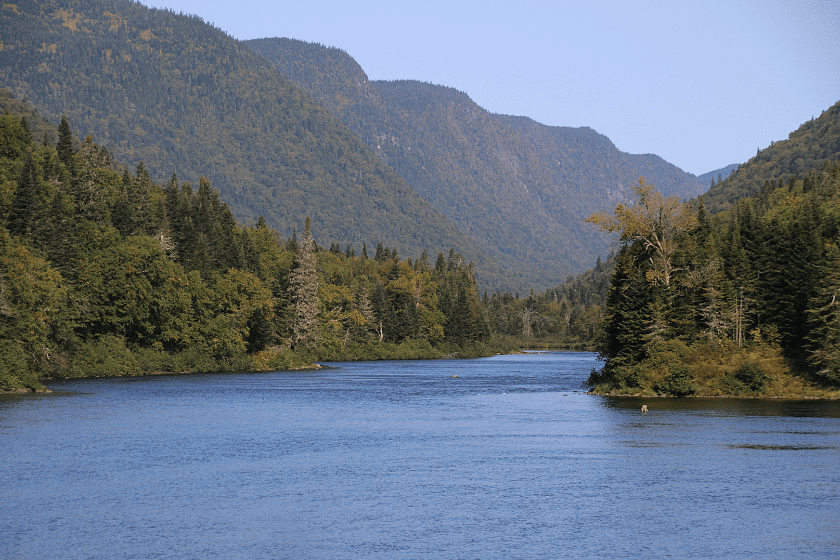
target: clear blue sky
<point>702,84</point>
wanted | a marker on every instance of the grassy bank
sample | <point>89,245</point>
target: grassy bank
<point>109,357</point>
<point>713,370</point>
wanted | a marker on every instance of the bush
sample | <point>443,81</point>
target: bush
<point>678,382</point>
<point>15,372</point>
<point>106,357</point>
<point>151,361</point>
<point>751,377</point>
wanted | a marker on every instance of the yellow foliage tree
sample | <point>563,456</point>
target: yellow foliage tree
<point>655,221</point>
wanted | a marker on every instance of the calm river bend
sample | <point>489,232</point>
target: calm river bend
<point>510,459</point>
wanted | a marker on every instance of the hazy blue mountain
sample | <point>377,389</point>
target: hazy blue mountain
<point>717,174</point>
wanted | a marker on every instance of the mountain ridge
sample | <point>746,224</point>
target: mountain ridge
<point>812,144</point>
<point>179,94</point>
<point>512,183</point>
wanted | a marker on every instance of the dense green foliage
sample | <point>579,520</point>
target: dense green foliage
<point>520,188</point>
<point>177,93</point>
<point>567,316</point>
<point>105,272</point>
<point>759,277</point>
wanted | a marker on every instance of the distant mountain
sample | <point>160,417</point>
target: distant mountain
<point>182,96</point>
<point>805,150</point>
<point>718,174</point>
<point>406,164</point>
<point>520,188</point>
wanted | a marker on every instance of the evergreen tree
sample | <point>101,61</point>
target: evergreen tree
<point>824,318</point>
<point>383,310</point>
<point>27,134</point>
<point>423,264</point>
<point>65,146</point>
<point>303,286</point>
<point>25,200</point>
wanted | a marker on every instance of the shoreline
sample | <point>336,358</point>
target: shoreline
<point>614,394</point>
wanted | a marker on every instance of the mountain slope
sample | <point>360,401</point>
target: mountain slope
<point>179,94</point>
<point>718,174</point>
<point>519,187</point>
<point>805,150</point>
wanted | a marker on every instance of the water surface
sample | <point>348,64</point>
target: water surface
<point>510,459</point>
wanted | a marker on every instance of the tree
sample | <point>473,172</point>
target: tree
<point>65,146</point>
<point>824,319</point>
<point>654,221</point>
<point>25,200</point>
<point>303,288</point>
<point>32,300</point>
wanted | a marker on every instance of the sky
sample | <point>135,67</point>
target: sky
<point>703,84</point>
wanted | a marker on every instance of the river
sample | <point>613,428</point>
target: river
<point>495,458</point>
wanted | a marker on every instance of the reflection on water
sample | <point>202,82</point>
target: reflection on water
<point>510,459</point>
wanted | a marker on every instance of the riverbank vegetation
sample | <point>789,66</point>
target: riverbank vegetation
<point>105,273</point>
<point>744,302</point>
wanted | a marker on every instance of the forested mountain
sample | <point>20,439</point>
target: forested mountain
<point>180,95</point>
<point>806,148</point>
<point>520,188</point>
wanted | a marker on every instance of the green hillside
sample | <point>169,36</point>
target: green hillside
<point>805,150</point>
<point>520,188</point>
<point>180,95</point>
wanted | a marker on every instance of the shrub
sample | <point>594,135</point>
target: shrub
<point>679,381</point>
<point>751,377</point>
<point>106,357</point>
<point>15,372</point>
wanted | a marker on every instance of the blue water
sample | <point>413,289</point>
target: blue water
<point>510,459</point>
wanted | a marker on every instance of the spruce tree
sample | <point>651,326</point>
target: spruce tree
<point>27,134</point>
<point>24,202</point>
<point>65,146</point>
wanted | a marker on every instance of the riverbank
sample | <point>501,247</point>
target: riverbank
<point>110,358</point>
<point>675,370</point>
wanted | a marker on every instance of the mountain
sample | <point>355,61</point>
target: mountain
<point>407,164</point>
<point>718,174</point>
<point>180,95</point>
<point>806,149</point>
<point>520,188</point>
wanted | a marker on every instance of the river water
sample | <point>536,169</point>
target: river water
<point>510,459</point>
